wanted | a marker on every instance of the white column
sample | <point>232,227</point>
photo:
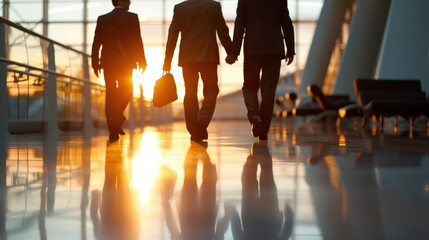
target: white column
<point>405,51</point>
<point>361,53</point>
<point>327,32</point>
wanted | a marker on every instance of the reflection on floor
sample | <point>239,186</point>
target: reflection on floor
<point>310,181</point>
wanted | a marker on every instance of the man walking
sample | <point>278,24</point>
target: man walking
<point>118,35</point>
<point>267,27</point>
<point>198,21</point>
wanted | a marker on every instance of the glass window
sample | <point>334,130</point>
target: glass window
<point>65,11</point>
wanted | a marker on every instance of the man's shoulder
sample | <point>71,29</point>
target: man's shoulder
<point>118,11</point>
<point>115,14</point>
<point>105,15</point>
<point>132,14</point>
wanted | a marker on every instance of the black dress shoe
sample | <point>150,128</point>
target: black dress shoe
<point>120,131</point>
<point>113,137</point>
<point>256,126</point>
<point>263,139</point>
<point>197,138</point>
<point>200,133</point>
<point>116,125</point>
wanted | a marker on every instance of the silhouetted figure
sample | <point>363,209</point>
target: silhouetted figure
<point>198,21</point>
<point>118,35</point>
<point>260,215</point>
<point>115,212</point>
<point>198,207</point>
<point>266,26</point>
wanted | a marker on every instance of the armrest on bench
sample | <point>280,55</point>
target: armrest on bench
<point>350,110</point>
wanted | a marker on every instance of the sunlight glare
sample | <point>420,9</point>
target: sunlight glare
<point>137,82</point>
<point>146,164</point>
<point>145,81</point>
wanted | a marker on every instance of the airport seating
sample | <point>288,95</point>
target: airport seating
<point>388,97</point>
<point>333,105</point>
<point>320,106</point>
<point>328,102</point>
<point>285,104</point>
<point>289,108</point>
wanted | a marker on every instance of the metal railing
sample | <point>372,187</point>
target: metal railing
<point>46,86</point>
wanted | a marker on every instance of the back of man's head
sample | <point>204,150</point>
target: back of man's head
<point>115,2</point>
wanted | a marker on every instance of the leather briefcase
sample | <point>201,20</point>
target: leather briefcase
<point>164,91</point>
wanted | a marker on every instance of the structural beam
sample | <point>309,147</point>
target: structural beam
<point>405,52</point>
<point>327,31</point>
<point>363,46</point>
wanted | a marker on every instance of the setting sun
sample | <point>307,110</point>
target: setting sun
<point>145,81</point>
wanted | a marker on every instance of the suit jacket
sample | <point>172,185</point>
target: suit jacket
<point>118,35</point>
<point>267,27</point>
<point>197,21</point>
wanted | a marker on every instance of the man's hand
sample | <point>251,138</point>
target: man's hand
<point>289,59</point>
<point>230,59</point>
<point>96,71</point>
<point>166,67</point>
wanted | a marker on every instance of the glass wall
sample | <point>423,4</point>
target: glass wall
<point>72,23</point>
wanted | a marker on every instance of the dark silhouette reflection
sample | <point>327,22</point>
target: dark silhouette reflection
<point>49,181</point>
<point>330,199</point>
<point>346,199</point>
<point>115,212</point>
<point>198,207</point>
<point>260,215</point>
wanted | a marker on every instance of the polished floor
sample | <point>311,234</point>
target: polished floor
<point>312,180</point>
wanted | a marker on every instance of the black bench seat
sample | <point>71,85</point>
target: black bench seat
<point>387,97</point>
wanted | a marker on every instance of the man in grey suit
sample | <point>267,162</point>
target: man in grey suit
<point>117,34</point>
<point>267,27</point>
<point>198,21</point>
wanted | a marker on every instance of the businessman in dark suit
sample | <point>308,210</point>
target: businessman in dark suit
<point>267,27</point>
<point>198,21</point>
<point>118,35</point>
